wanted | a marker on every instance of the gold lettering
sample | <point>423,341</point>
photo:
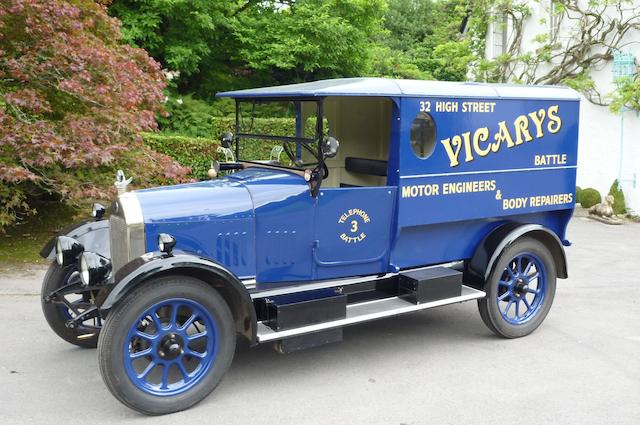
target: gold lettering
<point>555,123</point>
<point>537,121</point>
<point>467,146</point>
<point>522,129</point>
<point>481,135</point>
<point>501,136</point>
<point>449,146</point>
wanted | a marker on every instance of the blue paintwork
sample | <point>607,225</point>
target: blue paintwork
<point>144,342</point>
<point>518,304</point>
<point>264,223</point>
<point>213,218</point>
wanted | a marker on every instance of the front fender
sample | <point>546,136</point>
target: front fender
<point>486,254</point>
<point>219,277</point>
<point>92,234</point>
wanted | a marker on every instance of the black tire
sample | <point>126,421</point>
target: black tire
<point>490,310</point>
<point>128,311</point>
<point>56,277</point>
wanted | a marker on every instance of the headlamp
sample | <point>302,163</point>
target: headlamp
<point>98,211</point>
<point>67,250</point>
<point>94,268</point>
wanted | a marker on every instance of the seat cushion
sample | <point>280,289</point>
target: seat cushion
<point>372,167</point>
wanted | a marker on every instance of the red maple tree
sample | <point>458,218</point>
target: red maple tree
<point>73,101</point>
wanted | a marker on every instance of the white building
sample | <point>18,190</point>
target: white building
<point>609,146</point>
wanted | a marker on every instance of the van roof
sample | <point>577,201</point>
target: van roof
<point>387,87</point>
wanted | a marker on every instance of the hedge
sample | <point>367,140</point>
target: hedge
<point>251,149</point>
<point>194,152</point>
<point>197,152</point>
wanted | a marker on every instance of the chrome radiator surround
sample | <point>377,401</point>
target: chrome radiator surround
<point>126,230</point>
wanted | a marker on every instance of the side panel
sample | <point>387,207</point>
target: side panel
<point>283,227</point>
<point>494,161</point>
<point>439,243</point>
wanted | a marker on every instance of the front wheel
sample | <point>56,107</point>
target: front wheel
<point>167,345</point>
<point>67,307</point>
<point>520,289</point>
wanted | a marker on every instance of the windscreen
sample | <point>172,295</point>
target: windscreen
<point>280,133</point>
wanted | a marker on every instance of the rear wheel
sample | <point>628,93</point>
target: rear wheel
<point>520,290</point>
<point>59,312</point>
<point>167,345</point>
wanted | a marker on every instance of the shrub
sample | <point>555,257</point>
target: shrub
<point>193,152</point>
<point>589,197</point>
<point>73,100</point>
<point>193,117</point>
<point>618,198</point>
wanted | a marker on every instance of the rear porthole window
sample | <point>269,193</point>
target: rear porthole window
<point>423,135</point>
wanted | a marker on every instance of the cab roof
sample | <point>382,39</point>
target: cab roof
<point>387,87</point>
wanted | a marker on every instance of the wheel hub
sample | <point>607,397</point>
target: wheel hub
<point>171,346</point>
<point>520,287</point>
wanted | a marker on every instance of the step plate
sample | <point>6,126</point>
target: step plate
<point>366,311</point>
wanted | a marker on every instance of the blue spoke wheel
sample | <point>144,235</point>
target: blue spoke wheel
<point>166,345</point>
<point>170,347</point>
<point>520,289</point>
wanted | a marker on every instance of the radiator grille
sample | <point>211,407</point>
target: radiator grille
<point>119,242</point>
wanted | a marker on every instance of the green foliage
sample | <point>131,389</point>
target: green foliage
<point>386,62</point>
<point>619,206</point>
<point>582,82</point>
<point>240,43</point>
<point>589,197</point>
<point>310,39</point>
<point>627,95</point>
<point>193,152</point>
<point>193,117</point>
<point>448,61</point>
<point>197,152</point>
<point>251,149</point>
<point>179,33</point>
<point>422,40</point>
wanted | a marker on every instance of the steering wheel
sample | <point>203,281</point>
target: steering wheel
<point>294,160</point>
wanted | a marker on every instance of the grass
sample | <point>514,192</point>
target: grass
<point>22,243</point>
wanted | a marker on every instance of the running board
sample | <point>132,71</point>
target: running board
<point>366,311</point>
<point>255,292</point>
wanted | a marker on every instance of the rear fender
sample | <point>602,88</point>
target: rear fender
<point>482,263</point>
<point>92,234</point>
<point>219,277</point>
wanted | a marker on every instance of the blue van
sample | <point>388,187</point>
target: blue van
<point>377,197</point>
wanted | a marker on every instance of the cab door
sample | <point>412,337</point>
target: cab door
<point>353,231</point>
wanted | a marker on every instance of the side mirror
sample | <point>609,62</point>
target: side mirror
<point>330,147</point>
<point>227,140</point>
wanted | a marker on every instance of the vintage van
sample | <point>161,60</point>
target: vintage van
<point>383,197</point>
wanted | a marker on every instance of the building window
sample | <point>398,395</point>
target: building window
<point>499,35</point>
